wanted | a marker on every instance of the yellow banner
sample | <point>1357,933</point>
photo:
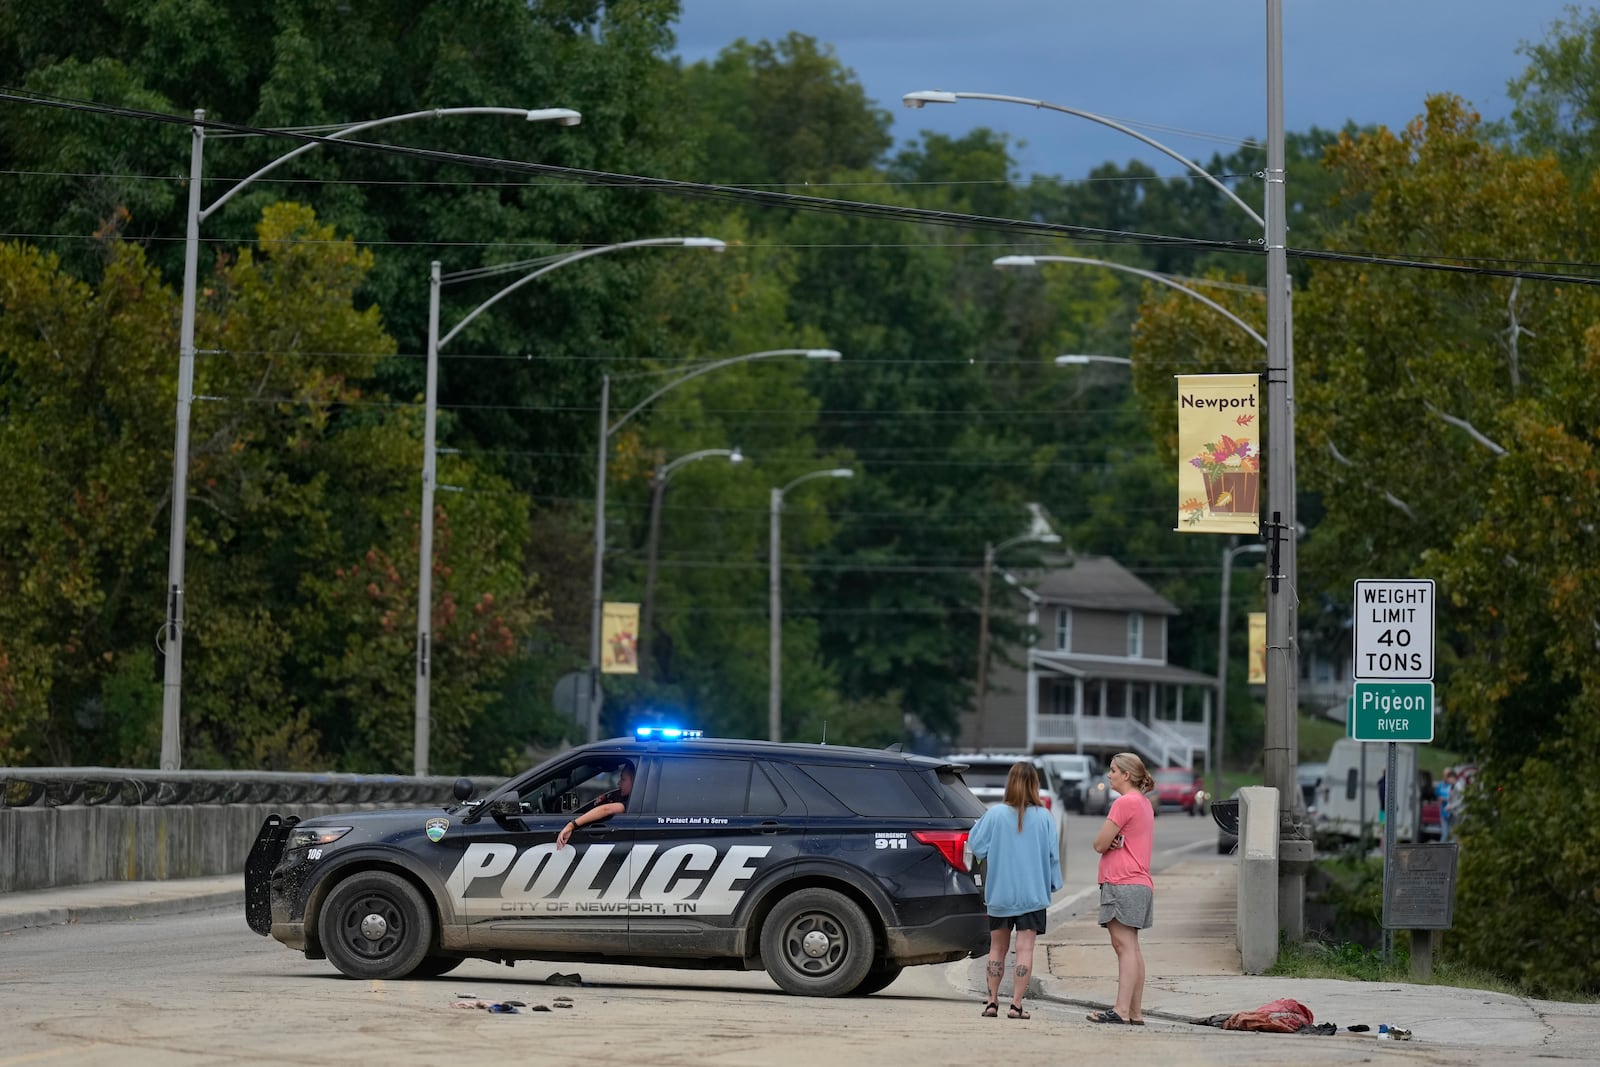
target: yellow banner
<point>1258,648</point>
<point>1219,455</point>
<point>619,639</point>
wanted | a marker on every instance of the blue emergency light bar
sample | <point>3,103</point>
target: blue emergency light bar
<point>665,733</point>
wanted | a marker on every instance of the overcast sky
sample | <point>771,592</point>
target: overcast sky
<point>1187,65</point>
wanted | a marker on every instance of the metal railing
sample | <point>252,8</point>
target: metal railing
<point>23,787</point>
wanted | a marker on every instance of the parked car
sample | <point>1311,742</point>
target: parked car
<point>832,868</point>
<point>1075,773</point>
<point>1097,798</point>
<point>985,774</point>
<point>1179,787</point>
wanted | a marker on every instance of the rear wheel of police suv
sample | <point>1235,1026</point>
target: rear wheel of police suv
<point>375,925</point>
<point>878,978</point>
<point>435,966</point>
<point>817,943</point>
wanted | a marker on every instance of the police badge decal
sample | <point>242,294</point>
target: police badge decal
<point>435,828</point>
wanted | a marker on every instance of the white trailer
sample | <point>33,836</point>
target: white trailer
<point>1347,798</point>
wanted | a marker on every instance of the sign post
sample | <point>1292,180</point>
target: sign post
<point>1394,646</point>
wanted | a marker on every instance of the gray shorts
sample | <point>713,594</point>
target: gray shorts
<point>1130,905</point>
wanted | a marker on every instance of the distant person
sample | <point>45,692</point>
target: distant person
<point>1018,838</point>
<point>604,806</point>
<point>1382,807</point>
<point>1127,893</point>
<point>1443,791</point>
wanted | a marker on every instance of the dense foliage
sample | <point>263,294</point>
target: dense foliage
<point>1446,422</point>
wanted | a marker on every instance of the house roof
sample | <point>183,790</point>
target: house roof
<point>1097,582</point>
<point>1094,668</point>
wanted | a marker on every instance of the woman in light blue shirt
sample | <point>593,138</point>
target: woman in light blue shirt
<point>1018,838</point>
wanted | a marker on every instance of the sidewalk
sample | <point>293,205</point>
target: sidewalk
<point>118,901</point>
<point>1192,971</point>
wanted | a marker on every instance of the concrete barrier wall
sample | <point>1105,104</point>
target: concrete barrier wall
<point>43,847</point>
<point>1256,929</point>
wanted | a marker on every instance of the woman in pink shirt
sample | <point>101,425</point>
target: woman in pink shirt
<point>1127,895</point>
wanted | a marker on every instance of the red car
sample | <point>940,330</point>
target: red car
<point>1181,788</point>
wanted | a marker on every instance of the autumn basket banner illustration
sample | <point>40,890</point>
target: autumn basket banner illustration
<point>619,639</point>
<point>1219,459</point>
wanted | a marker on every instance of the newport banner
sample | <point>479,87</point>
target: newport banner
<point>1219,457</point>
<point>619,639</point>
<point>1258,648</point>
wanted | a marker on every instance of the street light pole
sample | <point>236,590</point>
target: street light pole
<point>172,649</point>
<point>424,656</point>
<point>1228,555</point>
<point>775,600</point>
<point>607,429</point>
<point>658,490</point>
<point>1038,531</point>
<point>1279,749</point>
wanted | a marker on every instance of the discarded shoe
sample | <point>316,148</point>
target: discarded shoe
<point>513,1003</point>
<point>1358,1028</point>
<point>540,1007</point>
<point>503,1009</point>
<point>563,1004</point>
<point>1399,1033</point>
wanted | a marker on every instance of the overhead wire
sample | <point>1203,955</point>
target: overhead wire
<point>799,202</point>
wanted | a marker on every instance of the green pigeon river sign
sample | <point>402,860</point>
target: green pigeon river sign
<point>1392,711</point>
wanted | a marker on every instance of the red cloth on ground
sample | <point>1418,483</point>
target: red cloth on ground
<point>1283,1016</point>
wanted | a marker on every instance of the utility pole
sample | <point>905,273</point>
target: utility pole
<point>1283,658</point>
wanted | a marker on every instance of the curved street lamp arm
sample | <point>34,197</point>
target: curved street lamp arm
<point>565,116</point>
<point>572,257</point>
<point>918,99</point>
<point>829,472</point>
<point>662,474</point>
<point>1018,261</point>
<point>707,368</point>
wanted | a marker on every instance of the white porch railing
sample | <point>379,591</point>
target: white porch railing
<point>1165,744</point>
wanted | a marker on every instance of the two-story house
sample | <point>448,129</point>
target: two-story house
<point>1096,677</point>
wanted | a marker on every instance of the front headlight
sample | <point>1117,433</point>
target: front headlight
<point>312,836</point>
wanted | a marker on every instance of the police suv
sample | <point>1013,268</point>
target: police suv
<point>831,868</point>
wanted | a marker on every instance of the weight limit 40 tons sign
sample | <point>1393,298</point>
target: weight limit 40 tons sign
<point>1393,668</point>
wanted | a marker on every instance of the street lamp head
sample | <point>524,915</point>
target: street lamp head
<point>736,456</point>
<point>561,116</point>
<point>713,243</point>
<point>1009,262</point>
<point>927,96</point>
<point>841,472</point>
<point>827,354</point>
<point>1076,359</point>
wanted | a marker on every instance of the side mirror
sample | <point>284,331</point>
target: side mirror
<point>506,807</point>
<point>463,789</point>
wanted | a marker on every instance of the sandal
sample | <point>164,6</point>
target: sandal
<point>1108,1016</point>
<point>1135,1022</point>
<point>991,1009</point>
<point>1015,1012</point>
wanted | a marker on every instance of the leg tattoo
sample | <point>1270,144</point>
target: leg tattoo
<point>1022,970</point>
<point>997,968</point>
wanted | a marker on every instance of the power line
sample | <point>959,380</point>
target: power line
<point>798,202</point>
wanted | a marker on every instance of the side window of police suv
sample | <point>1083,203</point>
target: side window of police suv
<point>693,785</point>
<point>570,789</point>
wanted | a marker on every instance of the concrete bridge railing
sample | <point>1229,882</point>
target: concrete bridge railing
<point>62,826</point>
<point>1257,919</point>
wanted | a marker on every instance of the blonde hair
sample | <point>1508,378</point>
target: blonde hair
<point>1022,789</point>
<point>1134,768</point>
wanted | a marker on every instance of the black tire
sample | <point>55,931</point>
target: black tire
<point>375,925</point>
<point>434,966</point>
<point>877,978</point>
<point>817,943</point>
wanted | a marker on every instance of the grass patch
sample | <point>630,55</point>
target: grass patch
<point>1353,963</point>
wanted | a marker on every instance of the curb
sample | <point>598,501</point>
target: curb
<point>118,912</point>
